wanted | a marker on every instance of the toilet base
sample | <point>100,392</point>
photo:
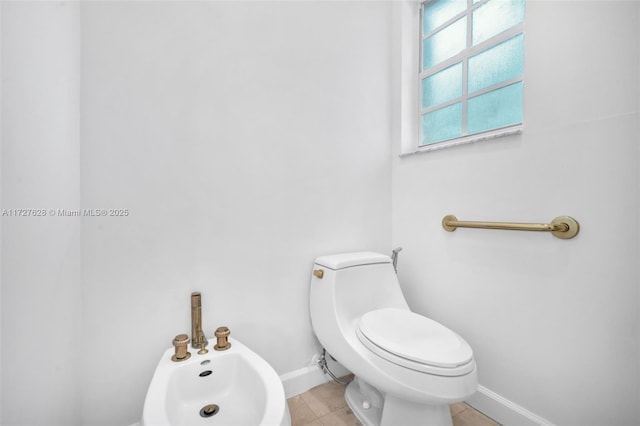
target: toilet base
<point>372,409</point>
<point>359,395</point>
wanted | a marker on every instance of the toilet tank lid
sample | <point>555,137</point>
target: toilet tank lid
<point>346,260</point>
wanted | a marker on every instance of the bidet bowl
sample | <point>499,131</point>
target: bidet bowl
<point>231,387</point>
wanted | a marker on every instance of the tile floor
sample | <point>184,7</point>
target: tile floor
<point>324,405</point>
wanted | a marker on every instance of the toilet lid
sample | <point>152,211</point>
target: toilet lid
<point>414,337</point>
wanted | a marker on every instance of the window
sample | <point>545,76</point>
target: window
<point>471,70</point>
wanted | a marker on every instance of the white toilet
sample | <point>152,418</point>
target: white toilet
<point>408,367</point>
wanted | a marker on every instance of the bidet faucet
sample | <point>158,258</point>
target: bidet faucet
<point>394,257</point>
<point>197,335</point>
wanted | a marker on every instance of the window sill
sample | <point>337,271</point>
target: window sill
<point>494,134</point>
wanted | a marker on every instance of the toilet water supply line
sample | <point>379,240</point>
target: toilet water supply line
<point>322,361</point>
<point>394,258</point>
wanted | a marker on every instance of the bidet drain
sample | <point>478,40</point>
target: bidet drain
<point>209,410</point>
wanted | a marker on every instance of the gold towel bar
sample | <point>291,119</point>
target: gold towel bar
<point>564,227</point>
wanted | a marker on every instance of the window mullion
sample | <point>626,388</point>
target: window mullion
<point>496,39</point>
<point>444,25</point>
<point>421,40</point>
<point>441,105</point>
<point>495,87</point>
<point>442,65</point>
<point>465,66</point>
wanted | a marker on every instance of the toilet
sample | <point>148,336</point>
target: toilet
<point>408,368</point>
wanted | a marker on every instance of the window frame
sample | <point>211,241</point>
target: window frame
<point>463,57</point>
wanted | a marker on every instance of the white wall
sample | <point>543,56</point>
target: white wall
<point>553,323</point>
<point>246,139</point>
<point>41,339</point>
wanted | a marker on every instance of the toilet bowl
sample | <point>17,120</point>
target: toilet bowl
<point>408,367</point>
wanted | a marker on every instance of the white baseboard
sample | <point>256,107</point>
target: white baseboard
<point>499,408</point>
<point>303,379</point>
<point>504,411</point>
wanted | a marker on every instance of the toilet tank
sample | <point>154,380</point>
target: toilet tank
<point>353,284</point>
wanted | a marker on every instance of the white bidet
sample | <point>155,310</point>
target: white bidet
<point>231,387</point>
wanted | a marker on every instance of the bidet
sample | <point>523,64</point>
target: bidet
<point>231,387</point>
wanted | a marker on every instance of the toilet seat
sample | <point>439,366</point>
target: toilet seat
<point>416,342</point>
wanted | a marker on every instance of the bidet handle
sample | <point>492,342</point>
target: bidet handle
<point>222,334</point>
<point>180,343</point>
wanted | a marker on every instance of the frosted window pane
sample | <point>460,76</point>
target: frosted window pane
<point>494,17</point>
<point>493,110</point>
<point>442,124</point>
<point>438,12</point>
<point>444,44</point>
<point>500,63</point>
<point>442,86</point>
